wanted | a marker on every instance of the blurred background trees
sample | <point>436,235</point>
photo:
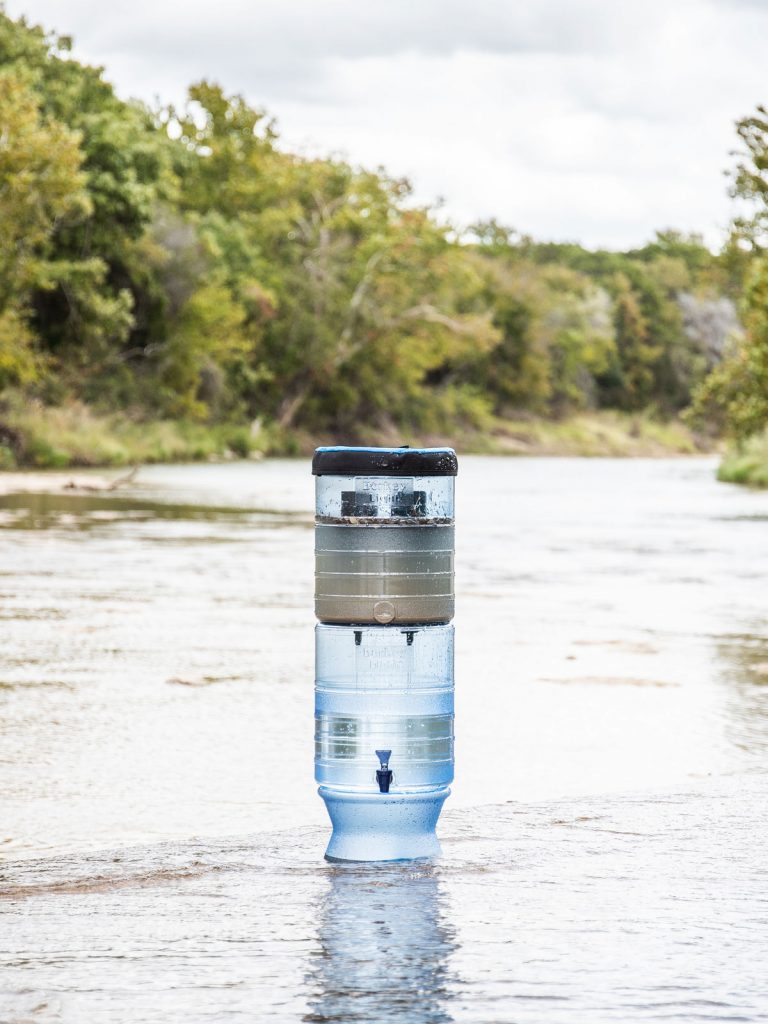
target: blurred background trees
<point>181,264</point>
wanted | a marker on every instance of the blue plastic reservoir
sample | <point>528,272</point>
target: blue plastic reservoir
<point>384,687</point>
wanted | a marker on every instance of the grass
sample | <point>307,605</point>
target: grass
<point>73,435</point>
<point>747,463</point>
<point>604,433</point>
<point>33,435</point>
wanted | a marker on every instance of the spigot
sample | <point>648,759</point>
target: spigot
<point>384,774</point>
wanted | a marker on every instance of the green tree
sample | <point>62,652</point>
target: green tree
<point>83,314</point>
<point>355,303</point>
<point>734,397</point>
<point>41,188</point>
<point>750,179</point>
<point>636,352</point>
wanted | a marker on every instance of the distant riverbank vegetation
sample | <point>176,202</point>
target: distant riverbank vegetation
<point>174,284</point>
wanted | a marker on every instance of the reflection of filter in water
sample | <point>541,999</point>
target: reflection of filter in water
<point>385,948</point>
<point>384,650</point>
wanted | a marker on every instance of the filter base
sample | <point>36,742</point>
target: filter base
<point>383,826</point>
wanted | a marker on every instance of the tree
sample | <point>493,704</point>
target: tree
<point>41,189</point>
<point>734,397</point>
<point>750,179</point>
<point>83,313</point>
<point>635,350</point>
<point>355,302</point>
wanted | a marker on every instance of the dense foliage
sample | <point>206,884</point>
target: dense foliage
<point>180,264</point>
<point>735,395</point>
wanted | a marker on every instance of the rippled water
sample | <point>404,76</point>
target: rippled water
<point>605,844</point>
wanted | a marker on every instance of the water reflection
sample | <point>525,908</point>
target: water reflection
<point>40,511</point>
<point>743,663</point>
<point>384,947</point>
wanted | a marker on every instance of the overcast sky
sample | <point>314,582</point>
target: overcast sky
<point>589,120</point>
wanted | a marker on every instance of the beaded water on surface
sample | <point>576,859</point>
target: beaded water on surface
<point>384,688</point>
<point>400,574</point>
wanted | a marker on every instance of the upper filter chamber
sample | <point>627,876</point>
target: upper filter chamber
<point>384,535</point>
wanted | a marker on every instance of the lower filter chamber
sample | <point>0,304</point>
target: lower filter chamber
<point>390,689</point>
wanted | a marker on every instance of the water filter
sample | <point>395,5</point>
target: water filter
<point>384,647</point>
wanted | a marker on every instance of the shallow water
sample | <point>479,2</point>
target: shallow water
<point>604,845</point>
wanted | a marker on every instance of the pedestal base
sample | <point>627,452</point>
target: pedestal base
<point>383,826</point>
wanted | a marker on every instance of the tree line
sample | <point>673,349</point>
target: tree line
<point>180,263</point>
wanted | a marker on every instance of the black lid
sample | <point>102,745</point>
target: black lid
<point>341,461</point>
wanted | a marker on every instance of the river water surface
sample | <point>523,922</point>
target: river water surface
<point>605,844</point>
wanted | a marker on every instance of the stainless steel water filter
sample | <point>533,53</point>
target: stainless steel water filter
<point>384,573</point>
<point>384,647</point>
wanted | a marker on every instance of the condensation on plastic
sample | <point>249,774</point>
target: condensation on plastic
<point>388,498</point>
<point>421,745</point>
<point>383,826</point>
<point>384,688</point>
<point>380,659</point>
<point>398,574</point>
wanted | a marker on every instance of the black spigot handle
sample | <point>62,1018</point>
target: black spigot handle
<point>383,774</point>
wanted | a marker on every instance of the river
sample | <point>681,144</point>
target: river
<point>604,846</point>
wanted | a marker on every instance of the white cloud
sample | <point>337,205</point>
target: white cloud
<point>598,121</point>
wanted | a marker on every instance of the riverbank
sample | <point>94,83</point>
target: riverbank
<point>33,436</point>
<point>747,464</point>
<point>594,434</point>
